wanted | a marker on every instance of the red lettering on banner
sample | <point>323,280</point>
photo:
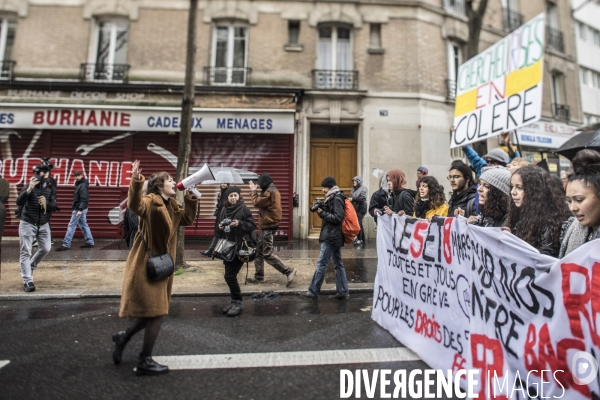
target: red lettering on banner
<point>105,118</point>
<point>447,240</point>
<point>76,165</point>
<point>531,360</point>
<point>91,119</point>
<point>38,117</point>
<point>429,328</point>
<point>125,173</point>
<point>458,364</point>
<point>65,117</point>
<point>125,119</point>
<point>480,344</point>
<point>99,172</point>
<point>567,377</point>
<point>420,226</point>
<point>575,303</point>
<point>14,170</point>
<point>78,117</point>
<point>52,117</point>
<point>113,179</point>
<point>59,172</point>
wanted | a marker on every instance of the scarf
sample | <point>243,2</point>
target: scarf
<point>421,208</point>
<point>231,210</point>
<point>576,236</point>
<point>332,191</point>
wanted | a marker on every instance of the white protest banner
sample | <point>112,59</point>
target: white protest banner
<point>500,89</point>
<point>470,298</point>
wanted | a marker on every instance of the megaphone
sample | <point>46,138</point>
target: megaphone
<point>202,174</point>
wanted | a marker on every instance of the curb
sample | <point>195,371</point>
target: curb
<point>74,296</point>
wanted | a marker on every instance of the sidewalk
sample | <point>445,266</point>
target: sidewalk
<point>98,272</point>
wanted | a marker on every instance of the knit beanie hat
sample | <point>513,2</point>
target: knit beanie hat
<point>498,177</point>
<point>498,155</point>
<point>329,182</point>
<point>232,189</point>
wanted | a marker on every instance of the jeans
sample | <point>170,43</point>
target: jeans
<point>27,233</point>
<point>83,225</point>
<point>341,283</point>
<point>231,271</point>
<point>264,252</point>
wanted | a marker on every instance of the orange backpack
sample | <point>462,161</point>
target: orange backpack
<point>350,226</point>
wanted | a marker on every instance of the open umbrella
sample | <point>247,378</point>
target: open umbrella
<point>584,140</point>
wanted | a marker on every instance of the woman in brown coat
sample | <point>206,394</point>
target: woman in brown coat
<point>148,301</point>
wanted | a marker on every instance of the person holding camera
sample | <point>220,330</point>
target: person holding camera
<point>236,223</point>
<point>221,201</point>
<point>268,202</point>
<point>81,198</point>
<point>160,217</point>
<point>331,238</point>
<point>36,202</point>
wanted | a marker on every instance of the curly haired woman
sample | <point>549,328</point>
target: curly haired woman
<point>537,210</point>
<point>430,199</point>
<point>494,198</point>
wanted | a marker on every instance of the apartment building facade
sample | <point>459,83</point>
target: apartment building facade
<point>300,89</point>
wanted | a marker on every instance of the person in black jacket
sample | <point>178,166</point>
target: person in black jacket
<point>401,198</point>
<point>79,215</point>
<point>538,209</point>
<point>37,200</point>
<point>221,200</point>
<point>332,240</point>
<point>379,199</point>
<point>463,190</point>
<point>236,223</point>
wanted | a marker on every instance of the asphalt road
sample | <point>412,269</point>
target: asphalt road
<point>62,349</point>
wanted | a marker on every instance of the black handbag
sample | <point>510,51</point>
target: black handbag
<point>158,267</point>
<point>225,250</point>
<point>246,253</point>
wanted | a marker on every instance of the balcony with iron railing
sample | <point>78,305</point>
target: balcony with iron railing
<point>223,76</point>
<point>512,20</point>
<point>455,6</point>
<point>7,69</point>
<point>561,112</point>
<point>104,72</point>
<point>451,89</point>
<point>334,79</point>
<point>554,39</point>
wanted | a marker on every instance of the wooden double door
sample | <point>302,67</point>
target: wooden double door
<point>330,157</point>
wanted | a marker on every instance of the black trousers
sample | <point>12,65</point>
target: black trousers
<point>361,234</point>
<point>231,271</point>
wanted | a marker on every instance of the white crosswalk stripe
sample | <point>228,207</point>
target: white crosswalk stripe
<point>287,359</point>
<point>4,363</point>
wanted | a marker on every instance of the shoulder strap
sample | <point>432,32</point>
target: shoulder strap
<point>146,244</point>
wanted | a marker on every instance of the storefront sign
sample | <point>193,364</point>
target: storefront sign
<point>549,135</point>
<point>135,119</point>
<point>479,299</point>
<point>500,89</point>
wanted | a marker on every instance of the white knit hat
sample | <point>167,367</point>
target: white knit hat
<point>498,177</point>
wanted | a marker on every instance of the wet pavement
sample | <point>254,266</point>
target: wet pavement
<point>62,349</point>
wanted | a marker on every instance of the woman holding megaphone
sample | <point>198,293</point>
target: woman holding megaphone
<point>160,216</point>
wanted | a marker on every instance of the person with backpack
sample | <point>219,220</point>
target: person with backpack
<point>332,212</point>
<point>401,198</point>
<point>36,202</point>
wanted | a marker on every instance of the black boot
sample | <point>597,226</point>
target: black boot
<point>120,343</point>
<point>147,366</point>
<point>213,244</point>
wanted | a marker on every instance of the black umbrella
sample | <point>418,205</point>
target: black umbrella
<point>583,140</point>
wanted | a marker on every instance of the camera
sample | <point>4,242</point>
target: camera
<point>318,204</point>
<point>225,223</point>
